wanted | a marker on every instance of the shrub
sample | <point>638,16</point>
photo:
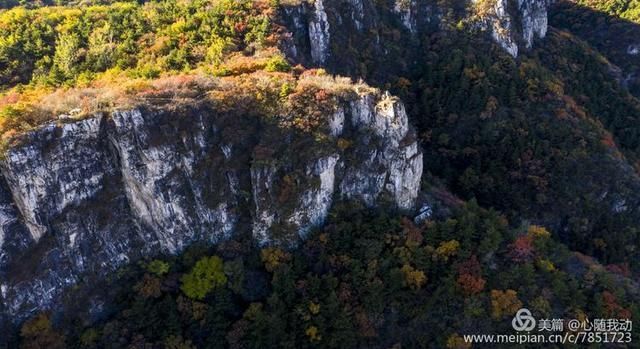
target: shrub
<point>158,267</point>
<point>277,64</point>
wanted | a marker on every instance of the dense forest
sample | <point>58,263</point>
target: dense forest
<point>531,168</point>
<point>612,29</point>
<point>368,279</point>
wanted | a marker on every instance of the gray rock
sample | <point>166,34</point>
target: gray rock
<point>532,14</point>
<point>513,24</point>
<point>88,196</point>
<point>319,34</point>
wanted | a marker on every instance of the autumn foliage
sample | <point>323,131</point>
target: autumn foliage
<point>504,303</point>
<point>470,278</point>
<point>522,249</point>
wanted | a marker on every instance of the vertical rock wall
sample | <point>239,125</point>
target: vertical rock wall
<point>87,196</point>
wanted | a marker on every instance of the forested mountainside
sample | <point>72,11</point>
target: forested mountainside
<point>314,173</point>
<point>610,27</point>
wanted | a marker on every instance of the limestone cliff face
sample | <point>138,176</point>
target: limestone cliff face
<point>319,34</point>
<point>383,162</point>
<point>320,27</point>
<point>503,16</point>
<point>84,197</point>
<point>534,18</point>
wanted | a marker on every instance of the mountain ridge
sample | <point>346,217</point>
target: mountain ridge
<point>506,114</point>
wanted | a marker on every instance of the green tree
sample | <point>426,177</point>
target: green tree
<point>66,55</point>
<point>158,267</point>
<point>207,274</point>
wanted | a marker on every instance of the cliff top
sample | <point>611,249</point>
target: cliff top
<point>288,97</point>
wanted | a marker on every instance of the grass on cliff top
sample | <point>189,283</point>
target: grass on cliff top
<point>300,99</point>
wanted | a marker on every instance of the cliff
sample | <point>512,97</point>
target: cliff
<point>501,18</point>
<point>81,198</point>
<point>324,32</point>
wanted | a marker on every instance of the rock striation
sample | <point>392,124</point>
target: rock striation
<point>83,197</point>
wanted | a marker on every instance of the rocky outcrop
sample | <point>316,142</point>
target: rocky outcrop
<point>322,33</point>
<point>407,10</point>
<point>382,162</point>
<point>319,27</point>
<point>319,34</point>
<point>501,27</point>
<point>392,166</point>
<point>501,17</point>
<point>534,19</point>
<point>83,197</point>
